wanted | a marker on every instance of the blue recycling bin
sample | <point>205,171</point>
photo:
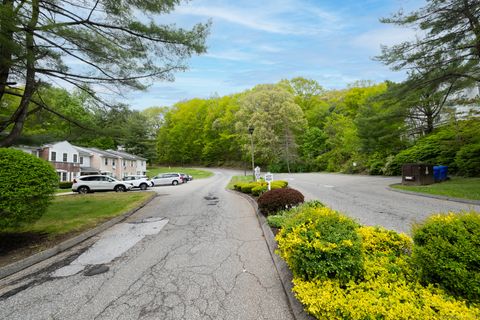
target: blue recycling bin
<point>440,173</point>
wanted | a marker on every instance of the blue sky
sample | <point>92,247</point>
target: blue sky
<point>254,42</point>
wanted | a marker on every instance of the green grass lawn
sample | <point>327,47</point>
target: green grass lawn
<point>74,213</point>
<point>465,188</point>
<point>195,173</point>
<point>236,179</point>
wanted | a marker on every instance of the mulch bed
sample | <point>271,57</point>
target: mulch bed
<point>17,246</point>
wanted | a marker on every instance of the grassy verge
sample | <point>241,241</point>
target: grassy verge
<point>63,190</point>
<point>195,173</point>
<point>465,188</point>
<point>236,179</point>
<point>75,213</point>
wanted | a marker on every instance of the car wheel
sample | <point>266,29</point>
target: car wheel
<point>174,182</point>
<point>143,186</point>
<point>120,188</point>
<point>83,190</point>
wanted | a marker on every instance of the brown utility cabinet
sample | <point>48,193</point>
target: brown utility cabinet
<point>417,174</point>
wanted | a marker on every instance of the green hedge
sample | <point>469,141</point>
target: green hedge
<point>26,187</point>
<point>447,253</point>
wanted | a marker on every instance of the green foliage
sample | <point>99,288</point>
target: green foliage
<point>279,199</point>
<point>278,219</point>
<point>65,185</point>
<point>447,253</point>
<point>247,187</point>
<point>441,148</point>
<point>387,289</point>
<point>439,43</point>
<point>276,118</point>
<point>468,160</point>
<point>117,49</point>
<point>258,190</point>
<point>319,243</point>
<point>26,187</point>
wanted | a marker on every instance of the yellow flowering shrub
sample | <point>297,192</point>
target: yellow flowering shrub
<point>387,289</point>
<point>318,242</point>
<point>379,298</point>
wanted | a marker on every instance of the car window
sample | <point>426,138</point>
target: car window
<point>109,179</point>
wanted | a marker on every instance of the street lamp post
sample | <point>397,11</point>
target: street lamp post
<point>250,130</point>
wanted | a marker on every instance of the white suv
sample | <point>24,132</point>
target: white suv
<point>142,182</point>
<point>86,184</point>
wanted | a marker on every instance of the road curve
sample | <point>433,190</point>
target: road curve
<point>210,261</point>
<point>367,199</point>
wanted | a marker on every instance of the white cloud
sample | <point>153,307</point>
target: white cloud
<point>388,36</point>
<point>237,16</point>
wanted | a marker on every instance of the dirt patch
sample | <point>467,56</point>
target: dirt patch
<point>17,246</point>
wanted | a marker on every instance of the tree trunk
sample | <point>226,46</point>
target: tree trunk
<point>287,151</point>
<point>5,52</point>
<point>30,84</point>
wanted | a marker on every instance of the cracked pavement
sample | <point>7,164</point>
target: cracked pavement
<point>210,261</point>
<point>368,200</point>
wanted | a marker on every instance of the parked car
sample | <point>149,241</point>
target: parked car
<point>142,182</point>
<point>167,178</point>
<point>185,177</point>
<point>86,184</point>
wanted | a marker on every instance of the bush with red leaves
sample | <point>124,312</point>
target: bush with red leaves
<point>279,199</point>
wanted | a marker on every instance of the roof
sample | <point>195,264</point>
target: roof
<point>126,155</point>
<point>83,151</point>
<point>103,153</point>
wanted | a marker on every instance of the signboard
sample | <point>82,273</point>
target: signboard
<point>257,173</point>
<point>269,179</point>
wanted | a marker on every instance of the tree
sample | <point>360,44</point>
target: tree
<point>276,119</point>
<point>117,47</point>
<point>448,47</point>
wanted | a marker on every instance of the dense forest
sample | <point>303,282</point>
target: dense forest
<point>299,126</point>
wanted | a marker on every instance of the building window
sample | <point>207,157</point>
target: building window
<point>53,156</point>
<point>124,163</point>
<point>75,158</point>
<point>64,176</point>
<point>106,161</point>
<point>81,160</point>
<point>131,163</point>
<point>113,162</point>
<point>65,157</point>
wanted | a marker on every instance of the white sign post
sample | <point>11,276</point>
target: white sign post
<point>257,173</point>
<point>269,179</point>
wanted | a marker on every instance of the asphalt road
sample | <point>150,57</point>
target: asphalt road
<point>368,200</point>
<point>210,261</point>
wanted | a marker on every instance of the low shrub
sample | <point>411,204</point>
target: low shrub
<point>447,253</point>
<point>319,243</point>
<point>258,190</point>
<point>387,289</point>
<point>468,160</point>
<point>278,184</point>
<point>247,187</point>
<point>65,185</point>
<point>27,184</point>
<point>280,217</point>
<point>279,199</point>
<point>379,299</point>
